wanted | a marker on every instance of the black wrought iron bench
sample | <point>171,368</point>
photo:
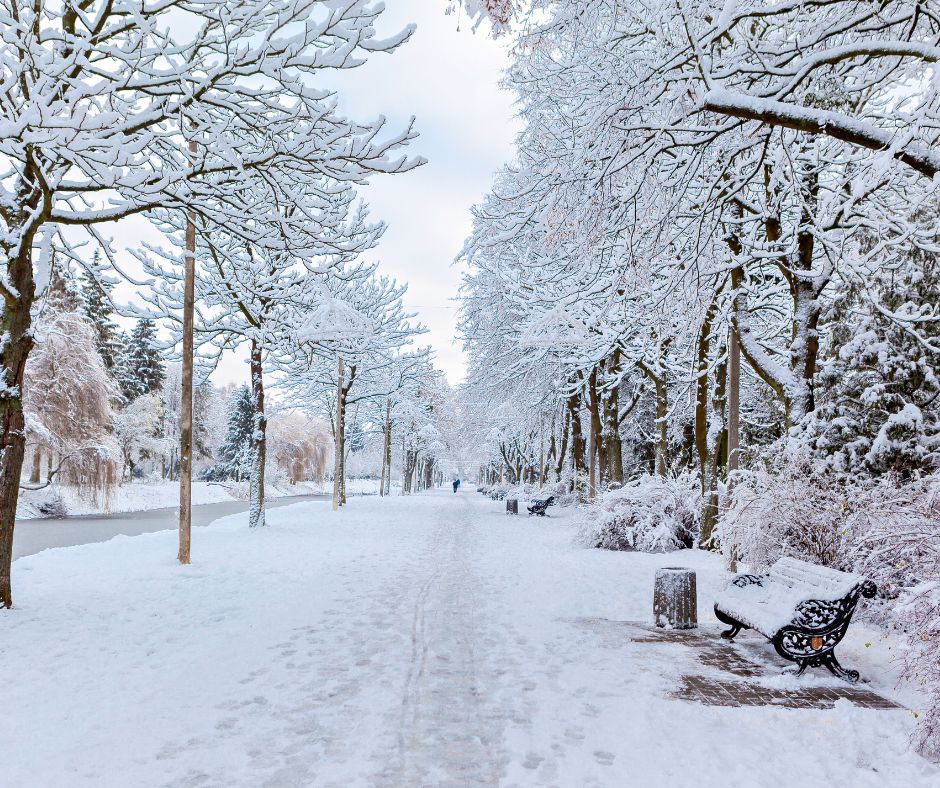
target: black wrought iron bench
<point>539,507</point>
<point>803,609</point>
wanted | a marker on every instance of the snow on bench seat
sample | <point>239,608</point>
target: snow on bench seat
<point>767,603</point>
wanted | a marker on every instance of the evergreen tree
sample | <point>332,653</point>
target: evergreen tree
<point>143,370</point>
<point>61,293</point>
<point>879,389</point>
<point>123,372</point>
<point>96,304</point>
<point>355,437</point>
<point>235,453</point>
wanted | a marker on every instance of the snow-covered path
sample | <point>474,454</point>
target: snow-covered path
<point>428,640</point>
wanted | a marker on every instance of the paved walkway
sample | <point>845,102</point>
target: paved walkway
<point>423,641</point>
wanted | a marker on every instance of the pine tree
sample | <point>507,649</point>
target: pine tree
<point>235,453</point>
<point>355,437</point>
<point>96,304</point>
<point>143,371</point>
<point>879,390</point>
<point>61,292</point>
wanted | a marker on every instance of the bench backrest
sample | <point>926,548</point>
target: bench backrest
<point>820,582</point>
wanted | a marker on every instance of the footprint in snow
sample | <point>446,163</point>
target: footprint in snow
<point>604,758</point>
<point>532,760</point>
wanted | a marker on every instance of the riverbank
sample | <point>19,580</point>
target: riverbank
<point>141,496</point>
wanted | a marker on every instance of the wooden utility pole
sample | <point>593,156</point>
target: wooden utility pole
<point>734,403</point>
<point>186,406</point>
<point>386,445</point>
<point>734,423</point>
<point>338,434</point>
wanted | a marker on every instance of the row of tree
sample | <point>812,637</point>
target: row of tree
<point>641,245</point>
<point>103,407</point>
<point>211,120</point>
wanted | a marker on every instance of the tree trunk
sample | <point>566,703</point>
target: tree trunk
<point>613,446</point>
<point>714,440</point>
<point>411,462</point>
<point>428,473</point>
<point>804,348</point>
<point>577,441</point>
<point>563,449</point>
<point>17,342</point>
<point>703,348</point>
<point>734,423</point>
<point>658,379</point>
<point>338,434</point>
<point>598,450</point>
<point>15,345</point>
<point>36,475</point>
<point>734,405</point>
<point>258,440</point>
<point>386,437</point>
<point>662,413</point>
<point>592,464</point>
<point>388,455</point>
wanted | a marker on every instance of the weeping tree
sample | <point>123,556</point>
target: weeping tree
<point>68,401</point>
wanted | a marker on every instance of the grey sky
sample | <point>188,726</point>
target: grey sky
<point>447,78</point>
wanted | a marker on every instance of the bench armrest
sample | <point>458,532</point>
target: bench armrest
<point>821,614</point>
<point>744,580</point>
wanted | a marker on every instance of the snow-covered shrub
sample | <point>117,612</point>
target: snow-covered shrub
<point>561,491</point>
<point>898,546</point>
<point>54,506</point>
<point>920,616</point>
<point>785,511</point>
<point>650,514</point>
<point>885,528</point>
<point>877,526</point>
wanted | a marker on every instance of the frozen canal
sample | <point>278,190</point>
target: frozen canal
<point>32,536</point>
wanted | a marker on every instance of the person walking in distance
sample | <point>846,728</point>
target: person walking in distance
<point>456,485</point>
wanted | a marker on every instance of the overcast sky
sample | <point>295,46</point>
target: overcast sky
<point>447,78</point>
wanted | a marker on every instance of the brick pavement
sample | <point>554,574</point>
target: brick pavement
<point>732,673</point>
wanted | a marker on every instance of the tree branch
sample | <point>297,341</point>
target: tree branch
<point>817,121</point>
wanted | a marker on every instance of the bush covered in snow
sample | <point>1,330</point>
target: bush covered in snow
<point>920,617</point>
<point>885,528</point>
<point>874,525</point>
<point>650,514</point>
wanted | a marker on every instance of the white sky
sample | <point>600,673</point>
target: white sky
<point>447,78</point>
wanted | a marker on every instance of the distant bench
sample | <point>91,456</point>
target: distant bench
<point>539,507</point>
<point>803,609</point>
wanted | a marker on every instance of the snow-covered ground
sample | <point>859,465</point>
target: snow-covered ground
<point>427,640</point>
<point>145,495</point>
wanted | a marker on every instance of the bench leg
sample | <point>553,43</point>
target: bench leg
<point>730,633</point>
<point>798,669</point>
<point>824,660</point>
<point>830,661</point>
<point>799,646</point>
<point>734,626</point>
